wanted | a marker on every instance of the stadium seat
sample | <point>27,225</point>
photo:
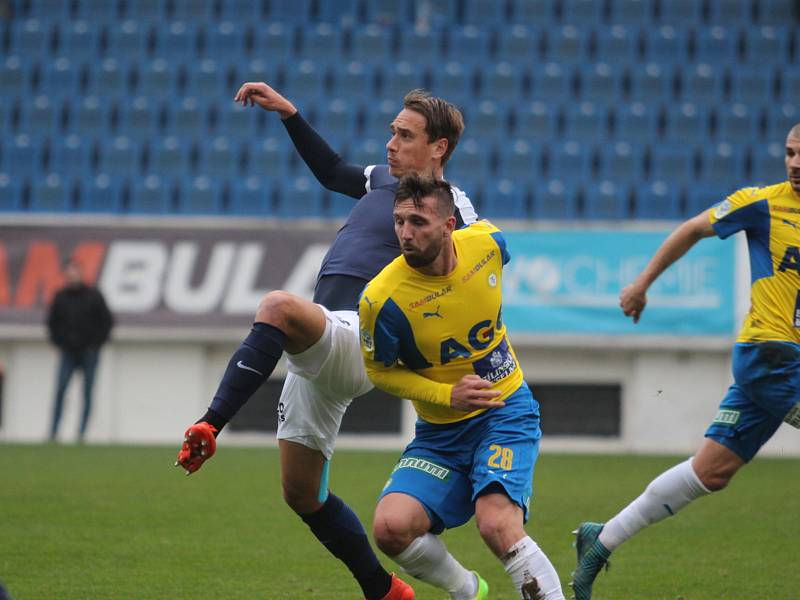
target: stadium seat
<point>667,43</point>
<point>618,44</point>
<point>321,43</point>
<point>485,12</point>
<point>702,83</point>
<point>354,81</point>
<point>504,199</point>
<point>583,12</point>
<point>201,195</point>
<point>146,10</point>
<point>269,156</point>
<point>158,79</point>
<point>100,194</point>
<point>169,157</point>
<point>176,40</point>
<point>71,156</point>
<point>31,37</point>
<point>566,44</point>
<point>275,40</point>
<point>502,81</point>
<point>288,10</point>
<point>730,12</point>
<point>79,40</point>
<point>472,159</point>
<point>680,11</point>
<point>14,77</point>
<point>673,162</point>
<point>368,151</point>
<point>139,118</point>
<point>306,79</point>
<point>219,158</point>
<point>533,12</point>
<point>790,85</point>
<point>98,11</point>
<point>652,82</point>
<point>778,12</point>
<point>519,44</point>
<point>108,79</point>
<point>345,13</point>
<point>119,157</point>
<point>766,45</point>
<point>60,78</point>
<point>520,160</point>
<point>487,120</point>
<point>536,121</point>
<point>723,162</point>
<point>585,121</point>
<point>716,45</point>
<point>252,196</point>
<point>419,45</point>
<point>240,122</point>
<point>371,42</point>
<point>753,85</point>
<point>621,161</point>
<point>257,69</point>
<point>607,200</point>
<point>551,82</point>
<point>768,165</point>
<point>555,199</point>
<point>245,11</point>
<point>703,195</point>
<point>10,193</point>
<point>378,116</point>
<point>224,40</point>
<point>467,44</point>
<point>52,193</point>
<point>738,124</point>
<point>40,116</point>
<point>600,82</point>
<point>658,200</point>
<point>337,121</point>
<point>21,155</point>
<point>207,78</point>
<point>150,195</point>
<point>454,81</point>
<point>571,160</point>
<point>192,10</point>
<point>49,9</point>
<point>398,12</point>
<point>300,197</point>
<point>631,11</point>
<point>128,39</point>
<point>686,122</point>
<point>188,118</point>
<point>780,119</point>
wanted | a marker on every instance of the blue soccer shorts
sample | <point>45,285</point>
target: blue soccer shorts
<point>766,390</point>
<point>446,467</point>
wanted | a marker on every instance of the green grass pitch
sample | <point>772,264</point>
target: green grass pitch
<point>114,522</point>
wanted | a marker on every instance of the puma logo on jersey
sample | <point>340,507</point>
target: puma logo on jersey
<point>369,303</point>
<point>425,315</point>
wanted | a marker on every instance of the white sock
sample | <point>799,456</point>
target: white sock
<point>665,496</point>
<point>524,561</point>
<point>427,559</point>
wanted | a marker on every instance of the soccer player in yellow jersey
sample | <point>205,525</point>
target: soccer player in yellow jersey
<point>432,332</point>
<point>766,359</point>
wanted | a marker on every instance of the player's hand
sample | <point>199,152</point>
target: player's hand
<point>256,92</point>
<point>199,444</point>
<point>472,393</point>
<point>632,300</point>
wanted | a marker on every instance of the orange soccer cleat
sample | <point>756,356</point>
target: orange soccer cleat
<point>400,590</point>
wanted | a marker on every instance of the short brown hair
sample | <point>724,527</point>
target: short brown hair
<point>415,187</point>
<point>442,119</point>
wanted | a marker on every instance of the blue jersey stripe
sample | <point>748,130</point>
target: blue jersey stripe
<point>394,339</point>
<point>501,243</point>
<point>755,220</point>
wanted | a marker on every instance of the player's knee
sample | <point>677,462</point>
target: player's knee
<point>276,308</point>
<point>493,526</point>
<point>392,533</point>
<point>715,482</point>
<point>300,498</point>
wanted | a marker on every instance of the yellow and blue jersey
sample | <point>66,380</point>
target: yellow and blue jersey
<point>421,334</point>
<point>770,217</point>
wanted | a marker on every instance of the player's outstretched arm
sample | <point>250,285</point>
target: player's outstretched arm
<point>633,298</point>
<point>199,444</point>
<point>258,92</point>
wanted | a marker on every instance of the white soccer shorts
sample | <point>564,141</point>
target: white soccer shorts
<point>321,383</point>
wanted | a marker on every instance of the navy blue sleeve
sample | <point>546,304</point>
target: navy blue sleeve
<point>501,243</point>
<point>328,167</point>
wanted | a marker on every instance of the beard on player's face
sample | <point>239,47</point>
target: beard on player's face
<point>418,257</point>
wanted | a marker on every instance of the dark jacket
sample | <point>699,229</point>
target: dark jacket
<point>79,318</point>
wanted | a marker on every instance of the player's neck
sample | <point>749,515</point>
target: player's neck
<point>444,264</point>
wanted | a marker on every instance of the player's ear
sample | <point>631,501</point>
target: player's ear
<point>440,148</point>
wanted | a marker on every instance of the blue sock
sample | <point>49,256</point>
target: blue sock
<point>248,368</point>
<point>338,529</point>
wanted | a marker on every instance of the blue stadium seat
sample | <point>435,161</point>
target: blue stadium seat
<point>504,199</point>
<point>343,12</point>
<point>288,10</point>
<point>337,120</point>
<point>169,157</point>
<point>467,44</point>
<point>275,40</point>
<point>188,118</point>
<point>502,81</point>
<point>485,12</point>
<point>257,69</point>
<point>667,43</point>
<point>158,79</point>
<point>49,9</point>
<point>673,162</point>
<point>520,160</point>
<point>536,121</point>
<point>192,10</point>
<point>146,10</point>
<point>658,200</point>
<point>225,39</point>
<point>790,85</point>
<point>419,45</point>
<point>370,151</point>
<point>306,79</point>
<point>207,78</point>
<point>31,37</point>
<point>240,122</point>
<point>60,78</point>
<point>269,156</point>
<point>245,11</point>
<point>618,44</point>
<point>702,83</point>
<point>150,195</point>
<point>108,79</point>
<point>219,157</point>
<point>321,43</point>
<point>768,164</point>
<point>583,12</point>
<point>730,12</point>
<point>101,194</point>
<point>551,82</point>
<point>400,78</point>
<point>79,40</point>
<point>716,45</point>
<point>621,161</point>
<point>454,81</point>
<point>21,155</point>
<point>519,44</point>
<point>14,77</point>
<point>10,193</point>
<point>41,116</point>
<point>176,40</point>
<point>397,12</point>
<point>119,157</point>
<point>200,195</point>
<point>766,45</point>
<point>600,82</point>
<point>607,200</point>
<point>371,42</point>
<point>652,82</point>
<point>680,11</point>
<point>128,39</point>
<point>631,11</point>
<point>780,119</point>
<point>570,160</point>
<point>567,44</point>
<point>535,12</point>
<point>555,199</point>
<point>686,122</point>
<point>585,121</point>
<point>378,116</point>
<point>354,81</point>
<point>738,123</point>
<point>723,162</point>
<point>778,12</point>
<point>471,160</point>
<point>139,118</point>
<point>71,156</point>
<point>702,195</point>
<point>252,196</point>
<point>52,193</point>
<point>488,120</point>
<point>89,116</point>
<point>300,197</point>
<point>753,85</point>
<point>102,11</point>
